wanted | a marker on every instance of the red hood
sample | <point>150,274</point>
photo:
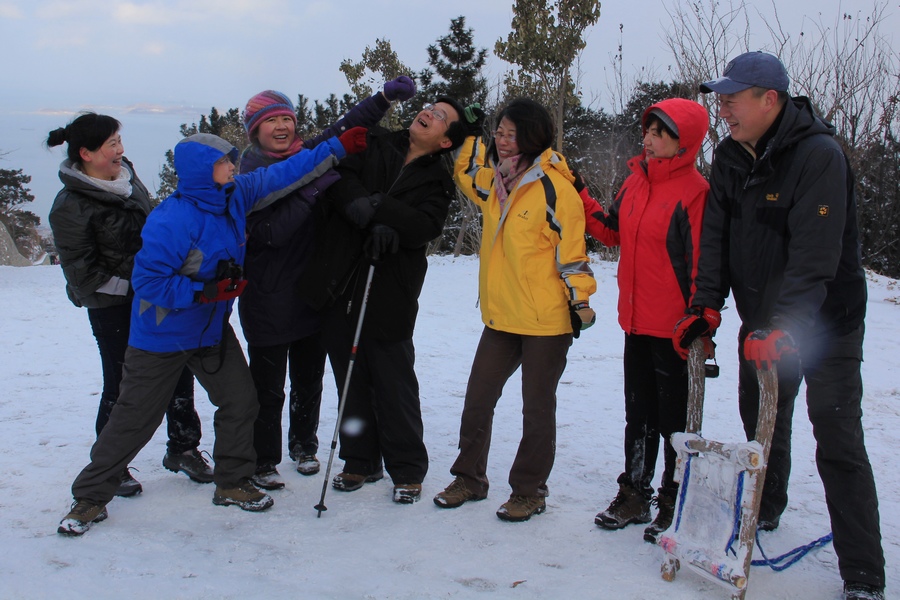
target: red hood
<point>692,121</point>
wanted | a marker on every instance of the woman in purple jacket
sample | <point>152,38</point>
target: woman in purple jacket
<point>282,331</point>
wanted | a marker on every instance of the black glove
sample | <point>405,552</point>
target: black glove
<point>579,181</point>
<point>382,240</point>
<point>473,119</point>
<point>360,211</point>
<point>583,316</point>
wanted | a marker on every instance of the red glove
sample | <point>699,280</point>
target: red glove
<point>766,346</point>
<point>353,140</point>
<point>699,321</point>
<point>224,289</point>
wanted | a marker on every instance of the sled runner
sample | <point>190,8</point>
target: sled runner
<point>720,489</point>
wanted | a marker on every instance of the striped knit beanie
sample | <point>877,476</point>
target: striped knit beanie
<point>264,105</point>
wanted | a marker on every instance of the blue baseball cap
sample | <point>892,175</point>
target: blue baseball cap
<point>751,69</point>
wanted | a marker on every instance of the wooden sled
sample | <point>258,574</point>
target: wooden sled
<point>720,489</point>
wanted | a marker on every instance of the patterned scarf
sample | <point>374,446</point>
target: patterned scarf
<point>506,176</point>
<point>295,147</point>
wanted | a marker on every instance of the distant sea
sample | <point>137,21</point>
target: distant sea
<point>146,138</point>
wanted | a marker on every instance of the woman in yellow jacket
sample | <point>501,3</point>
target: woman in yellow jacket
<point>534,284</point>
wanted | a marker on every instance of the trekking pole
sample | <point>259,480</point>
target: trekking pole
<point>337,426</point>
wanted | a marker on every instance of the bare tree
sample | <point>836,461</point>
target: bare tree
<point>851,74</point>
<point>847,69</point>
<point>704,36</point>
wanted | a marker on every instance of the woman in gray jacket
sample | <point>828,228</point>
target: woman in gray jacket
<point>96,220</point>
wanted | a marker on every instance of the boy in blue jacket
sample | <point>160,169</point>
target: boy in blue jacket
<point>186,277</point>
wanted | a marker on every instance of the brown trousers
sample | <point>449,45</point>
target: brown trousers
<point>499,354</point>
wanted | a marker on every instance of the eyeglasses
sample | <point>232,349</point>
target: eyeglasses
<point>438,113</point>
<point>500,136</point>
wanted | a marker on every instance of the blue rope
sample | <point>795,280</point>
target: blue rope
<point>796,553</point>
<point>736,527</point>
<point>683,491</point>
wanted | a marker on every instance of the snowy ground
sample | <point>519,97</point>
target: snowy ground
<point>172,542</point>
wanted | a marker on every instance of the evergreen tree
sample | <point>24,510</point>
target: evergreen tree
<point>458,65</point>
<point>455,70</point>
<point>229,127</point>
<point>546,38</point>
<point>21,224</point>
<point>12,189</point>
<point>378,65</point>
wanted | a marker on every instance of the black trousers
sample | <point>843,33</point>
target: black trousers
<point>656,395</point>
<point>303,361</point>
<point>110,327</point>
<point>834,393</point>
<point>382,415</point>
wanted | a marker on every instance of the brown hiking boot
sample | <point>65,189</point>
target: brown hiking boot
<point>191,463</point>
<point>307,464</point>
<point>457,494</point>
<point>245,495</point>
<point>407,493</point>
<point>629,506</point>
<point>83,514</point>
<point>665,502</point>
<point>520,508</point>
<point>350,482</point>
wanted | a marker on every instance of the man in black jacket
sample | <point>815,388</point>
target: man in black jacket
<point>780,232</point>
<point>391,200</point>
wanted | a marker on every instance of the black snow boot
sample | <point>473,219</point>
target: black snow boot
<point>630,505</point>
<point>857,590</point>
<point>665,503</point>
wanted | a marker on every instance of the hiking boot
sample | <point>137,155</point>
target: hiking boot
<point>83,514</point>
<point>307,464</point>
<point>666,505</point>
<point>267,478</point>
<point>629,506</point>
<point>191,463</point>
<point>857,590</point>
<point>457,494</point>
<point>128,485</point>
<point>350,482</point>
<point>407,493</point>
<point>520,508</point>
<point>768,524</point>
<point>245,495</point>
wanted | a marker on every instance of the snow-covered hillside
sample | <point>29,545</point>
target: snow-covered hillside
<point>172,542</point>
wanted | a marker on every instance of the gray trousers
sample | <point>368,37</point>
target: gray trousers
<point>148,381</point>
<point>499,354</point>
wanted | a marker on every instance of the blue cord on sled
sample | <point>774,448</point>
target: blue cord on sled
<point>791,556</point>
<point>779,563</point>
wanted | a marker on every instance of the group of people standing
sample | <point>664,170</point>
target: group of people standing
<point>294,231</point>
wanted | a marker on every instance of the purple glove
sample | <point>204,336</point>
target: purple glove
<point>402,88</point>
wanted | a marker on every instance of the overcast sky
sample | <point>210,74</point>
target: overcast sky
<point>158,63</point>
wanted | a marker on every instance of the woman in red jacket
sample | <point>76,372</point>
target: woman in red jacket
<point>656,219</point>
